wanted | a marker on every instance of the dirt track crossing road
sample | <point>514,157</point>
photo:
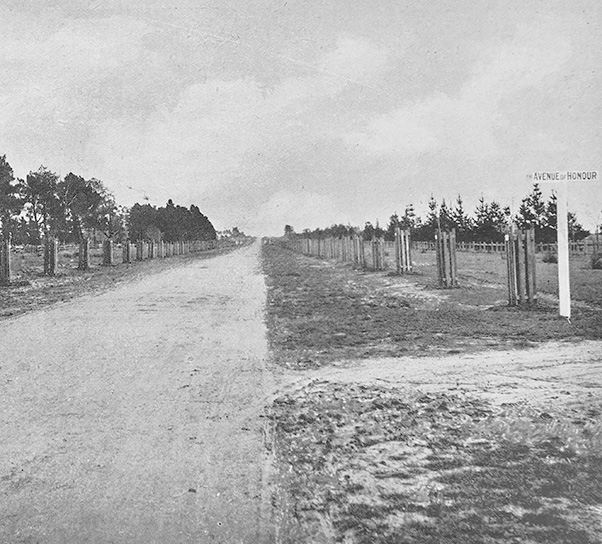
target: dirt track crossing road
<point>135,415</point>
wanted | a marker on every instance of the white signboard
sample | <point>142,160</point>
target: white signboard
<point>562,232</point>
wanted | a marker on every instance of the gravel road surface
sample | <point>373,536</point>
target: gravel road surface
<point>136,415</point>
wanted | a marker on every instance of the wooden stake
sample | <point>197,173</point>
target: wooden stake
<point>452,258</point>
<point>5,261</point>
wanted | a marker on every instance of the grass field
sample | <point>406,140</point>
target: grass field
<point>365,463</point>
<point>27,263</point>
<point>322,311</point>
<point>489,269</point>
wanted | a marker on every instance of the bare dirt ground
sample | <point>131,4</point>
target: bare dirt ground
<point>135,415</point>
<point>555,374</point>
<point>487,429</point>
<point>499,447</point>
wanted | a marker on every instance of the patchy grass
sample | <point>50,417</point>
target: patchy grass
<point>28,262</point>
<point>319,312</point>
<point>32,290</point>
<point>486,272</point>
<point>374,465</point>
<point>363,464</point>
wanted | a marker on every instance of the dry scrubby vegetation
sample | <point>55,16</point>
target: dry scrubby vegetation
<point>367,464</point>
<point>375,465</point>
<point>320,312</point>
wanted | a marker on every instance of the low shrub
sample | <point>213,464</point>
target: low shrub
<point>550,257</point>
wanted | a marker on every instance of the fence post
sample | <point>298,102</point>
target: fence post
<point>107,252</point>
<point>5,261</point>
<point>50,256</point>
<point>373,251</point>
<point>520,267</point>
<point>453,265</point>
<point>408,244</point>
<point>128,251</point>
<point>440,262</point>
<point>520,256</point>
<point>84,254</point>
<point>403,251</point>
<point>363,253</point>
<point>511,267</point>
<point>445,244</point>
<point>530,266</point>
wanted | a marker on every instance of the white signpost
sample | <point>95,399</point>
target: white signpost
<point>562,233</point>
<point>562,228</point>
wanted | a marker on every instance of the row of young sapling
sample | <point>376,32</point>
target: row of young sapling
<point>519,249</point>
<point>138,251</point>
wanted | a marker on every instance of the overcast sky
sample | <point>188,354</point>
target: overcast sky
<point>307,112</point>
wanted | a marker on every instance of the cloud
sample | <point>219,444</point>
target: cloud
<point>63,79</point>
<point>224,133</point>
<point>465,124</point>
<point>101,96</point>
<point>355,58</point>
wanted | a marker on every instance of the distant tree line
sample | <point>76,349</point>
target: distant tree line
<point>170,223</point>
<point>72,208</point>
<point>488,223</point>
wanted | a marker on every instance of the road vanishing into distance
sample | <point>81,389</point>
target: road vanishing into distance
<point>135,416</point>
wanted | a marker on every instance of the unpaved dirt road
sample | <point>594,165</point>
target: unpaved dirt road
<point>134,416</point>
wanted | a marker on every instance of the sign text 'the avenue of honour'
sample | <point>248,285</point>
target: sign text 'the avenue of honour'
<point>561,176</point>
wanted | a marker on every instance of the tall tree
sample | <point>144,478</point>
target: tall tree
<point>547,233</point>
<point>171,223</point>
<point>532,212</point>
<point>428,228</point>
<point>10,204</point>
<point>369,231</point>
<point>202,229</point>
<point>108,217</point>
<point>446,218</point>
<point>409,219</point>
<point>576,230</point>
<point>142,220</point>
<point>550,223</point>
<point>462,221</point>
<point>394,222</point>
<point>84,204</point>
<point>490,222</point>
<point>39,194</point>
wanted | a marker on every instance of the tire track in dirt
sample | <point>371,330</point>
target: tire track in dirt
<point>555,372</point>
<point>135,415</point>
